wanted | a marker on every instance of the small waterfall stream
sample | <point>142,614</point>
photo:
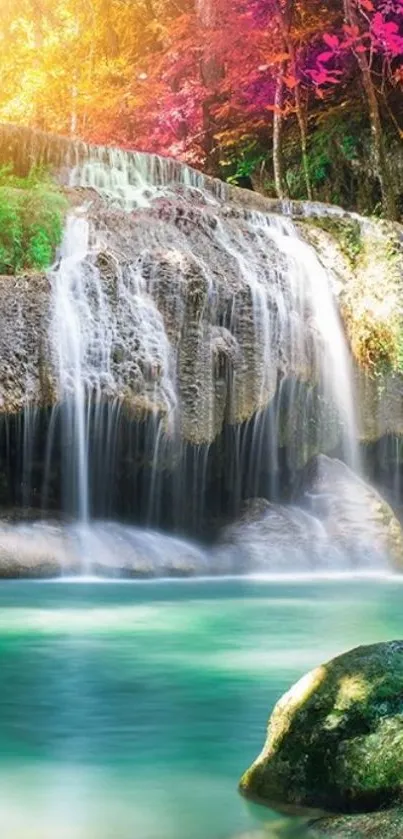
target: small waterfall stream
<point>70,312</point>
<point>186,335</point>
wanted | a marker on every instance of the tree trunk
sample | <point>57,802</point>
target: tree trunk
<point>284,21</point>
<point>278,133</point>
<point>381,164</point>
<point>211,73</point>
<point>304,137</point>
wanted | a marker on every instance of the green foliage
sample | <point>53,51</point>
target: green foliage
<point>243,161</point>
<point>31,220</point>
<point>338,159</point>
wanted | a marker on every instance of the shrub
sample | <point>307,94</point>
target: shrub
<point>31,220</point>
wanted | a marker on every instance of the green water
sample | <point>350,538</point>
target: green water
<point>129,711</point>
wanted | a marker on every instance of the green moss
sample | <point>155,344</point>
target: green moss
<point>347,233</point>
<point>31,220</point>
<point>335,740</point>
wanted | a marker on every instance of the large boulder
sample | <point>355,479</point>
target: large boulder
<point>387,824</point>
<point>339,522</point>
<point>358,521</point>
<point>335,740</point>
<point>272,538</point>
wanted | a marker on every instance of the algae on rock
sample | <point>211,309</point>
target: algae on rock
<point>335,740</point>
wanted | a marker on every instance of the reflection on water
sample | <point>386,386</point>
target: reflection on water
<point>130,711</point>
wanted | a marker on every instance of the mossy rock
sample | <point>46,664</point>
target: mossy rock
<point>388,824</point>
<point>335,740</point>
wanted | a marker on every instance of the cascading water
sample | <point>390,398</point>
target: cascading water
<point>70,311</point>
<point>187,334</point>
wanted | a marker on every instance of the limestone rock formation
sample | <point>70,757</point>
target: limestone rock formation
<point>365,258</point>
<point>25,374</point>
<point>335,740</point>
<point>204,306</point>
<point>171,300</point>
<point>199,296</point>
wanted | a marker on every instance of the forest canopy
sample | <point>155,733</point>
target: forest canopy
<point>298,98</point>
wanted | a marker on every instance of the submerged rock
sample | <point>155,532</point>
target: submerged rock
<point>335,740</point>
<point>387,824</point>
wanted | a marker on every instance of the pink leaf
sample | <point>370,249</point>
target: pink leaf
<point>325,56</point>
<point>331,40</point>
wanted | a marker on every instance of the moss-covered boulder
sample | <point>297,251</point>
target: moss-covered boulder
<point>335,740</point>
<point>387,824</point>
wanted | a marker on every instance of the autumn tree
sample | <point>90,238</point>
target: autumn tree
<point>244,89</point>
<point>373,34</point>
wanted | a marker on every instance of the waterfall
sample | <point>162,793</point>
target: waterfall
<point>188,336</point>
<point>69,338</point>
<point>102,330</point>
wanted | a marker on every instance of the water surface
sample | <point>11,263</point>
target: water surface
<point>129,711</point>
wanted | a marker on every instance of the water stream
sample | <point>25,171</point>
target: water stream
<point>130,710</point>
<point>194,360</point>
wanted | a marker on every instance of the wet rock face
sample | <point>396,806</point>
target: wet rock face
<point>335,740</point>
<point>387,824</point>
<point>365,257</point>
<point>194,302</point>
<point>25,374</point>
<point>188,308</point>
<point>208,309</point>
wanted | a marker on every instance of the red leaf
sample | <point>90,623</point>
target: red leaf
<point>325,56</point>
<point>352,31</point>
<point>331,40</point>
<point>367,5</point>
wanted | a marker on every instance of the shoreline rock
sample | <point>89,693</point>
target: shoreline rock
<point>335,740</point>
